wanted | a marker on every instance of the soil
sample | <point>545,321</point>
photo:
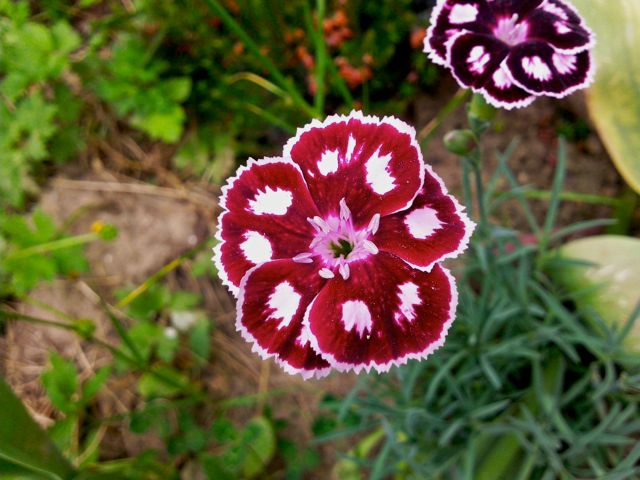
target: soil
<point>158,224</point>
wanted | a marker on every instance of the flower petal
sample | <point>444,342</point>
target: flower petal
<point>434,228</point>
<point>265,211</point>
<point>559,31</point>
<point>385,314</point>
<point>450,17</point>
<point>273,299</point>
<point>562,9</point>
<point>507,8</point>
<point>501,91</point>
<point>375,165</point>
<point>539,69</point>
<point>474,58</point>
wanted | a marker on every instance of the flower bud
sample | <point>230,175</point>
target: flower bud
<point>460,142</point>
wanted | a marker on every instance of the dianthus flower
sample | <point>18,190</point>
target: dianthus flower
<point>333,250</point>
<point>512,51</point>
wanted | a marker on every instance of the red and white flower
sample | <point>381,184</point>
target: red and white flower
<point>512,51</point>
<point>333,250</point>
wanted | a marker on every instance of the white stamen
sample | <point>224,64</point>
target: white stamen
<point>313,224</point>
<point>345,270</point>
<point>326,273</point>
<point>374,224</point>
<point>345,213</point>
<point>303,258</point>
<point>324,226</point>
<point>370,246</point>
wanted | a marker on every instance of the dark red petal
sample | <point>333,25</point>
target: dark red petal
<point>451,17</point>
<point>562,34</point>
<point>383,315</point>
<point>265,211</point>
<point>507,8</point>
<point>501,91</point>
<point>474,58</point>
<point>539,69</point>
<point>375,165</point>
<point>272,302</point>
<point>434,228</point>
<point>562,9</point>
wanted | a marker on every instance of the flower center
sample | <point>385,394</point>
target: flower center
<point>342,248</point>
<point>511,31</point>
<point>338,242</point>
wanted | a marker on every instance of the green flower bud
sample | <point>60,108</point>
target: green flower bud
<point>460,142</point>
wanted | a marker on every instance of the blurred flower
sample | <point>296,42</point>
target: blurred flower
<point>336,29</point>
<point>333,251</point>
<point>352,75</point>
<point>512,51</point>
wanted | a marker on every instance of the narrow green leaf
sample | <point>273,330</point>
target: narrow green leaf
<point>24,444</point>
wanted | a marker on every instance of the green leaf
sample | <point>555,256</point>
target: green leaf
<point>609,282</point>
<point>24,444</point>
<point>61,383</point>
<point>92,386</point>
<point>200,340</point>
<point>162,382</point>
<point>613,99</point>
<point>260,441</point>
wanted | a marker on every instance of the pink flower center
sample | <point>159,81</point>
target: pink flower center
<point>338,242</point>
<point>510,31</point>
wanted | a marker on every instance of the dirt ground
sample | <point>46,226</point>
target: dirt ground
<point>159,223</point>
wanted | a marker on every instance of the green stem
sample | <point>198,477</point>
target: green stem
<point>427,133</point>
<point>279,78</point>
<point>321,56</point>
<point>53,246</point>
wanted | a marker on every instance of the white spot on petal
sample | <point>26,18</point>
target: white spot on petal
<point>284,302</point>
<point>502,79</point>
<point>561,28</point>
<point>256,248</point>
<point>422,223</point>
<point>378,175</point>
<point>478,58</point>
<point>564,63</point>
<point>409,297</point>
<point>329,162</point>
<point>270,201</point>
<point>463,14</point>
<point>535,67</point>
<point>350,149</point>
<point>355,314</point>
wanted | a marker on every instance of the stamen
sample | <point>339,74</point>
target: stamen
<point>345,213</point>
<point>345,270</point>
<point>374,224</point>
<point>313,224</point>
<point>326,273</point>
<point>324,226</point>
<point>370,246</point>
<point>303,258</point>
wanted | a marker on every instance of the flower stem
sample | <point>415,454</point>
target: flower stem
<point>53,246</point>
<point>426,134</point>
